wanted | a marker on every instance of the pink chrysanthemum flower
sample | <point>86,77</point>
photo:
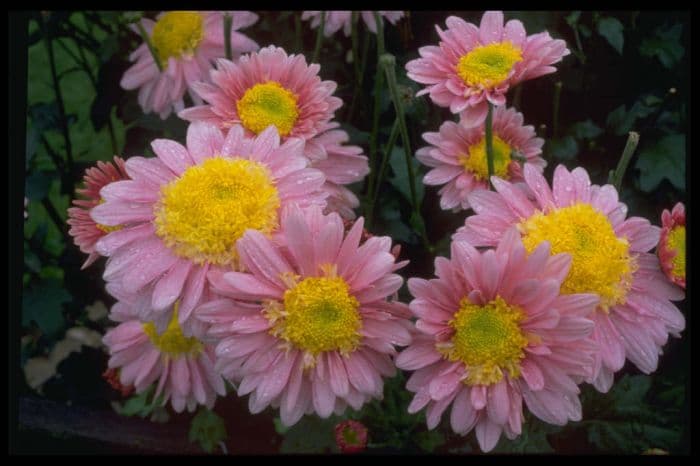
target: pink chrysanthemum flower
<point>84,230</point>
<point>335,20</point>
<point>474,65</point>
<point>458,155</point>
<point>341,164</point>
<point>186,209</point>
<point>495,332</point>
<point>350,436</point>
<point>671,248</point>
<point>309,328</point>
<point>609,258</point>
<point>182,366</point>
<point>267,88</point>
<point>186,43</point>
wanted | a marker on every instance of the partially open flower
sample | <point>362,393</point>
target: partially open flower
<point>671,248</point>
<point>351,436</point>
<point>335,20</point>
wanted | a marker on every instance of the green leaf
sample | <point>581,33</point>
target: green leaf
<point>310,435</point>
<point>664,160</point>
<point>665,46</point>
<point>573,18</point>
<point>585,130</point>
<point>611,29</point>
<point>208,429</point>
<point>38,184</point>
<point>400,180</point>
<point>565,148</point>
<point>43,304</point>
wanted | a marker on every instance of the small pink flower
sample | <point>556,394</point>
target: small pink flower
<point>495,331</point>
<point>458,155</point>
<point>184,211</point>
<point>266,88</point>
<point>186,42</point>
<point>335,20</point>
<point>182,366</point>
<point>609,258</point>
<point>84,230</point>
<point>671,248</point>
<point>351,436</point>
<point>473,65</point>
<point>309,328</point>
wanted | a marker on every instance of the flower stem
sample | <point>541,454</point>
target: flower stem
<point>489,142</point>
<point>147,40</point>
<point>615,177</point>
<point>373,194</point>
<point>298,43</point>
<point>380,34</point>
<point>388,62</point>
<point>319,38</point>
<point>555,109</point>
<point>228,21</point>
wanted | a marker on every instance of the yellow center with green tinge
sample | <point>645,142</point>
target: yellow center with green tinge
<point>177,33</point>
<point>268,104</point>
<point>476,163</point>
<point>487,66</point>
<point>601,262</point>
<point>488,340</point>
<point>676,242</point>
<point>173,342</point>
<point>202,214</point>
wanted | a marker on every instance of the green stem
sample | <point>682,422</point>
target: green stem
<point>388,62</point>
<point>363,66</point>
<point>380,34</point>
<point>373,195</point>
<point>147,40</point>
<point>581,56</point>
<point>228,21</point>
<point>489,142</point>
<point>48,41</point>
<point>375,125</point>
<point>319,37</point>
<point>555,109</point>
<point>615,177</point>
<point>55,217</point>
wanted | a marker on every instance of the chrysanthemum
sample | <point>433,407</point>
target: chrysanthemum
<point>350,436</point>
<point>84,230</point>
<point>186,209</point>
<point>267,88</point>
<point>458,155</point>
<point>495,331</point>
<point>671,248</point>
<point>341,164</point>
<point>182,366</point>
<point>609,258</point>
<point>186,43</point>
<point>335,20</point>
<point>309,327</point>
<point>474,65</point>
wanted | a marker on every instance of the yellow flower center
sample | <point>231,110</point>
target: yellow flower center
<point>202,214</point>
<point>676,242</point>
<point>317,314</point>
<point>601,262</point>
<point>487,339</point>
<point>475,162</point>
<point>268,104</point>
<point>172,342</point>
<point>177,33</point>
<point>487,66</point>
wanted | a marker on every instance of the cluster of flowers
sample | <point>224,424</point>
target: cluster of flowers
<point>230,258</point>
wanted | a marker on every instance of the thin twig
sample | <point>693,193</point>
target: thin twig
<point>616,177</point>
<point>319,37</point>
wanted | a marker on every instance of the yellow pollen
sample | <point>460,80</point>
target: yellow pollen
<point>177,33</point>
<point>601,262</point>
<point>487,66</point>
<point>488,340</point>
<point>268,104</point>
<point>202,214</point>
<point>676,243</point>
<point>172,342</point>
<point>475,162</point>
<point>318,314</point>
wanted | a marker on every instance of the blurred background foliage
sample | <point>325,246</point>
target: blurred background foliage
<point>628,71</point>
